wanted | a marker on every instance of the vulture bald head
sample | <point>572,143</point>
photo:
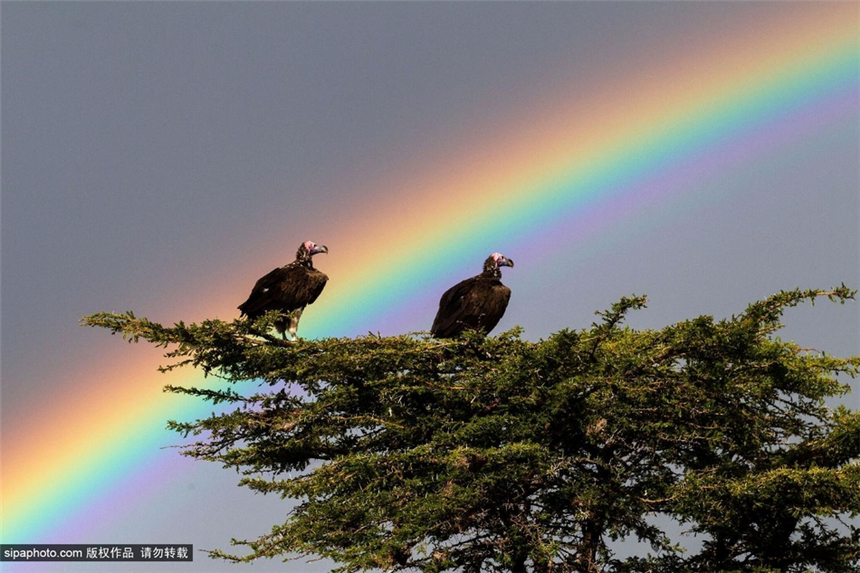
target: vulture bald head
<point>288,289</point>
<point>493,262</point>
<point>307,250</point>
<point>477,303</point>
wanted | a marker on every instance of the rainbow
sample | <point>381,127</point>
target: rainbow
<point>570,169</point>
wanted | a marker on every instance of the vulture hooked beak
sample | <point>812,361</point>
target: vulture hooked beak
<point>505,262</point>
<point>319,249</point>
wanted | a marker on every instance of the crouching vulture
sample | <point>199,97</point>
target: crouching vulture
<point>288,289</point>
<point>477,303</point>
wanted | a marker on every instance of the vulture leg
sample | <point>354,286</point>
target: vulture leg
<point>289,323</point>
<point>294,322</point>
<point>281,326</point>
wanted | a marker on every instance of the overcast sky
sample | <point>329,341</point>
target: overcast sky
<point>161,157</point>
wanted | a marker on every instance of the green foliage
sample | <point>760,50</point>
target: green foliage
<point>499,454</point>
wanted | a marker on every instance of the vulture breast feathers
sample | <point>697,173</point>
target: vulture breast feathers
<point>288,289</point>
<point>477,303</point>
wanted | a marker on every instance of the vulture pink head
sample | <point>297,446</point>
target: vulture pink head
<point>494,262</point>
<point>309,249</point>
<point>501,260</point>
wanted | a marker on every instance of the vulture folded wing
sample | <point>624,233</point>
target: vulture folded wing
<point>453,313</point>
<point>310,288</point>
<point>298,287</point>
<point>493,306</point>
<point>264,295</point>
<point>475,303</point>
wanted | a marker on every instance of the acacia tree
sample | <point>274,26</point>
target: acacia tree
<point>500,454</point>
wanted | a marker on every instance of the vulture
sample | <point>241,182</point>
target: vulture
<point>288,289</point>
<point>477,303</point>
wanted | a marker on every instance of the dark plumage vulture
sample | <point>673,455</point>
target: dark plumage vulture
<point>477,303</point>
<point>288,289</point>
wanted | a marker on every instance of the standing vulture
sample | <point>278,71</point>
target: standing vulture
<point>288,289</point>
<point>477,303</point>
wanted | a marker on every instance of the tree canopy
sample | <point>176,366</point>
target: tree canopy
<point>501,454</point>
